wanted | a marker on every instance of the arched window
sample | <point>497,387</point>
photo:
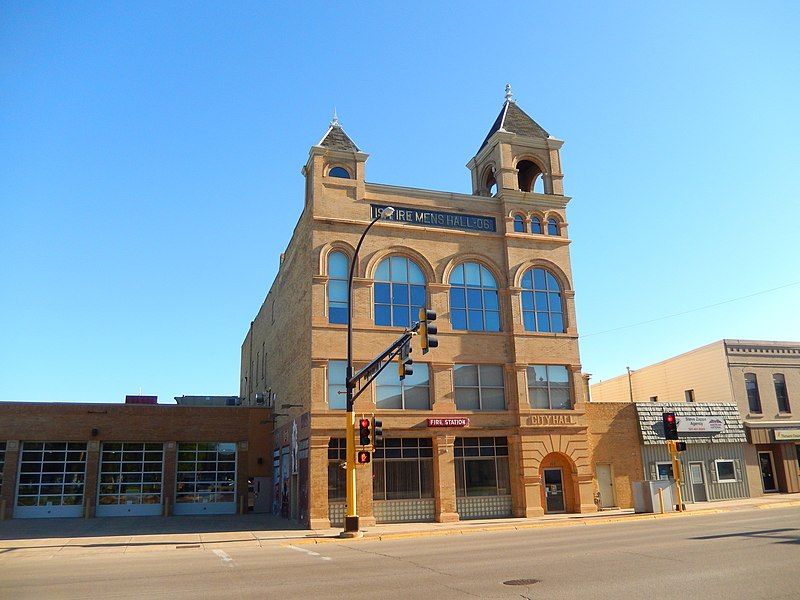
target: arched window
<point>490,183</point>
<point>339,172</point>
<point>536,225</point>
<point>338,265</point>
<point>519,224</point>
<point>542,306</point>
<point>552,226</point>
<point>474,304</point>
<point>399,292</point>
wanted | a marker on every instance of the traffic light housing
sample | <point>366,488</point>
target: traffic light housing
<point>404,361</point>
<point>364,434</point>
<point>363,457</point>
<point>680,446</point>
<point>670,426</point>
<point>427,330</point>
<point>377,431</point>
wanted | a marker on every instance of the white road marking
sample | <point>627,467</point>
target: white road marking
<point>310,552</point>
<point>223,556</point>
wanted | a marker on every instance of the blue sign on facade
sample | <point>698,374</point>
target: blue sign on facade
<point>432,218</point>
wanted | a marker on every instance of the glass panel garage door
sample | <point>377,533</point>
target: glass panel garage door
<point>206,478</point>
<point>131,476</point>
<point>50,481</point>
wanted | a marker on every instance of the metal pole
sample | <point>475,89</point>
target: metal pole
<point>676,473</point>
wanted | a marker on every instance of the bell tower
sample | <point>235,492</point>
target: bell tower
<point>518,155</point>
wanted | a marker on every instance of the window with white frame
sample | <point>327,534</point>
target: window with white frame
<point>479,387</point>
<point>409,393</point>
<point>548,387</point>
<point>337,374</point>
<point>726,471</point>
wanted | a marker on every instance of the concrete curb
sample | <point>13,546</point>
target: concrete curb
<point>378,537</point>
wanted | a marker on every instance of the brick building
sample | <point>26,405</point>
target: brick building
<point>495,266</point>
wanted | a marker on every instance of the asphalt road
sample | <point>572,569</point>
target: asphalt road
<point>745,554</point>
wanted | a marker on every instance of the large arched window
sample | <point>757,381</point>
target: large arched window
<point>474,304</point>
<point>542,305</point>
<point>338,264</point>
<point>399,292</point>
<point>519,224</point>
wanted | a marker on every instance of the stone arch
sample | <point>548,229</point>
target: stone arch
<point>529,168</point>
<point>372,263</point>
<point>335,246</point>
<point>487,179</point>
<point>570,492</point>
<point>559,219</point>
<point>536,214</point>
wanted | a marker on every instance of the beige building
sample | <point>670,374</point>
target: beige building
<point>762,378</point>
<point>495,266</point>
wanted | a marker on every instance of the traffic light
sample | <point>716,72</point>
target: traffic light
<point>404,361</point>
<point>427,330</point>
<point>377,430</point>
<point>364,436</point>
<point>670,426</point>
<point>680,446</point>
<point>363,457</point>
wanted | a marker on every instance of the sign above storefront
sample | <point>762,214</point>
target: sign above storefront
<point>448,422</point>
<point>432,218</point>
<point>787,434</point>
<point>691,424</point>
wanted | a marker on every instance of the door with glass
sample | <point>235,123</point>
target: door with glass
<point>206,478</point>
<point>767,471</point>
<point>554,490</point>
<point>698,481</point>
<point>131,475</point>
<point>50,480</point>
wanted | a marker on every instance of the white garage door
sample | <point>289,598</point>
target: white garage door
<point>206,478</point>
<point>50,481</point>
<point>131,477</point>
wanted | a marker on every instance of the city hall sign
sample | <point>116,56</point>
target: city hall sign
<point>432,218</point>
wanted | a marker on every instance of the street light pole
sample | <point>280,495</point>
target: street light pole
<point>351,528</point>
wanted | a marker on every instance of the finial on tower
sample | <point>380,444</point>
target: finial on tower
<point>335,120</point>
<point>509,95</point>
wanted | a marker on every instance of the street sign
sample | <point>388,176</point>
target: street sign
<point>448,422</point>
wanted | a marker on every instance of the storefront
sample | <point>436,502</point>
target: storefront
<point>778,449</point>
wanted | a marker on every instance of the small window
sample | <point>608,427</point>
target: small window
<point>726,471</point>
<point>337,398</point>
<point>753,397</point>
<point>340,172</point>
<point>663,471</point>
<point>781,393</point>
<point>552,227</point>
<point>689,395</point>
<point>479,387</point>
<point>653,398</point>
<point>519,224</point>
<point>536,225</point>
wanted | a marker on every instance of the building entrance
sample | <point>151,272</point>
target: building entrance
<point>698,482</point>
<point>554,490</point>
<point>767,471</point>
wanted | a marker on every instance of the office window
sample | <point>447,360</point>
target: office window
<point>399,292</point>
<point>474,303</point>
<point>338,272</point>
<point>337,373</point>
<point>753,397</point>
<point>781,393</point>
<point>479,387</point>
<point>481,466</point>
<point>337,475</point>
<point>519,224</point>
<point>688,395</point>
<point>542,307</point>
<point>548,387</point>
<point>402,469</point>
<point>726,473</point>
<point>536,225</point>
<point>409,393</point>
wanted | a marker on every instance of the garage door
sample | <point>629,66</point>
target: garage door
<point>206,478</point>
<point>50,481</point>
<point>131,479</point>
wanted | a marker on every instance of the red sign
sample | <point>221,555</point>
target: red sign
<point>448,422</point>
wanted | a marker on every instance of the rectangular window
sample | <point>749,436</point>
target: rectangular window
<point>664,470</point>
<point>337,474</point>
<point>403,469</point>
<point>781,393</point>
<point>726,473</point>
<point>482,466</point>
<point>337,371</point>
<point>410,393</point>
<point>689,395</point>
<point>653,398</point>
<point>548,387</point>
<point>479,387</point>
<point>753,397</point>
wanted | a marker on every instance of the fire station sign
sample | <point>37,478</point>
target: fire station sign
<point>432,218</point>
<point>691,424</point>
<point>448,422</point>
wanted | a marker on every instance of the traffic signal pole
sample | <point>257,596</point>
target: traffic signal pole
<point>676,472</point>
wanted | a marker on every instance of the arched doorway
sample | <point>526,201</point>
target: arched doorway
<point>559,489</point>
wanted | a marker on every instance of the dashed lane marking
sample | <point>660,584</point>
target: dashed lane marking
<point>309,552</point>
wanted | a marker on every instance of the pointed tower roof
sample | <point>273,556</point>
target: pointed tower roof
<point>514,120</point>
<point>336,139</point>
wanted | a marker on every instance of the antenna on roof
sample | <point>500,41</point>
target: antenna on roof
<point>335,120</point>
<point>509,95</point>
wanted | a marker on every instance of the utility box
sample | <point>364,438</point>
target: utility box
<point>646,496</point>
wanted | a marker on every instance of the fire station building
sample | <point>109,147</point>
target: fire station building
<point>492,423</point>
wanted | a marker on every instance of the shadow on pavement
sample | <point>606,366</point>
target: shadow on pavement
<point>769,534</point>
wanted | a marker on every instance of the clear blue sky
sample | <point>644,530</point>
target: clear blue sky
<point>150,160</point>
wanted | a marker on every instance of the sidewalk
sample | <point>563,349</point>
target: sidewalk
<point>46,537</point>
